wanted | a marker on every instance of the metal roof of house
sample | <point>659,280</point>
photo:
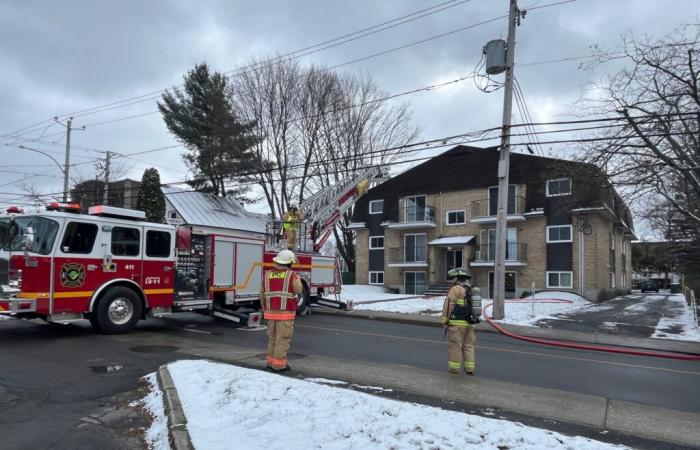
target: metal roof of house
<point>197,208</point>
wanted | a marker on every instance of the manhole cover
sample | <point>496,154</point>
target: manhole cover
<point>107,369</point>
<point>263,356</point>
<point>154,349</point>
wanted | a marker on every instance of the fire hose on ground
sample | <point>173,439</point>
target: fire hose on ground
<point>597,348</point>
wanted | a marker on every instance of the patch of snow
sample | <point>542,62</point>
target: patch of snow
<point>157,434</point>
<point>431,306</point>
<point>268,411</point>
<point>372,388</point>
<point>526,313</point>
<point>325,381</point>
<point>682,327</point>
<point>361,293</point>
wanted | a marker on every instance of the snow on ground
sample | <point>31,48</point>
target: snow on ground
<point>682,327</point>
<point>431,306</point>
<point>361,293</point>
<point>157,435</point>
<point>526,312</point>
<point>257,410</point>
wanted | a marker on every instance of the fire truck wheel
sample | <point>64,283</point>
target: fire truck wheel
<point>303,302</point>
<point>118,310</point>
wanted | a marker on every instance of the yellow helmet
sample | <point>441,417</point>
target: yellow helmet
<point>285,258</point>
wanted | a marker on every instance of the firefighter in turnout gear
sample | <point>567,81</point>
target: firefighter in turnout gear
<point>458,319</point>
<point>279,301</point>
<point>291,222</point>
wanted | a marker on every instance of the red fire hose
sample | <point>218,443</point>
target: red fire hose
<point>596,348</point>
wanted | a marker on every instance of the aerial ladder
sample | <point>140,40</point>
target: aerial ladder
<point>325,208</point>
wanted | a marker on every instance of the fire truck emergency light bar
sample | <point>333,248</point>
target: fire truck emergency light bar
<point>64,207</point>
<point>111,211</point>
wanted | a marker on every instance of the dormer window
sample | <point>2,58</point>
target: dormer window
<point>558,186</point>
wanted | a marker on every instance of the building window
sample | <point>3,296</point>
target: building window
<point>79,238</point>
<point>622,246</point>
<point>414,282</point>
<point>376,278</point>
<point>456,217</point>
<point>415,208</point>
<point>512,198</point>
<point>376,206</point>
<point>376,242</point>
<point>173,215</point>
<point>623,281</point>
<point>612,280</point>
<point>415,247</point>
<point>157,244</point>
<point>612,241</point>
<point>559,233</point>
<point>559,186</point>
<point>560,280</point>
<point>125,241</point>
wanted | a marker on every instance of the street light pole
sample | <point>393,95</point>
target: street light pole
<point>499,273</point>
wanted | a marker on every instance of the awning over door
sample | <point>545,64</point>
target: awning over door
<point>451,241</point>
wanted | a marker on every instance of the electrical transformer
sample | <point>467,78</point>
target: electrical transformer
<point>495,52</point>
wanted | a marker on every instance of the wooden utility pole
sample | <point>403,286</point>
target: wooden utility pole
<point>499,273</point>
<point>105,200</point>
<point>66,166</point>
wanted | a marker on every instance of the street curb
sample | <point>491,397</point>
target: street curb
<point>663,345</point>
<point>177,421</point>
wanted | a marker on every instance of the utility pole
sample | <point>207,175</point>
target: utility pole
<point>66,166</point>
<point>499,273</point>
<point>105,201</point>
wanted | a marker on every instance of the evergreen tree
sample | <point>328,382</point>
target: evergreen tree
<point>219,145</point>
<point>151,200</point>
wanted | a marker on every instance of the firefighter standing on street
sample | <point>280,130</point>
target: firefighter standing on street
<point>279,301</point>
<point>291,221</point>
<point>459,320</point>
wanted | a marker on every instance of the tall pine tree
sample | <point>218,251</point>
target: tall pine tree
<point>219,145</point>
<point>151,200</point>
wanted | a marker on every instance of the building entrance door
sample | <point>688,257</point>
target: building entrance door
<point>511,284</point>
<point>453,259</point>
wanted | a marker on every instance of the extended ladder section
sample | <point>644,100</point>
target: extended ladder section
<point>323,209</point>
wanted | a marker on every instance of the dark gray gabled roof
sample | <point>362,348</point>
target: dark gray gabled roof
<point>197,208</point>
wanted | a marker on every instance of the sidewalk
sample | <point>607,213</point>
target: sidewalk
<point>471,394</point>
<point>593,337</point>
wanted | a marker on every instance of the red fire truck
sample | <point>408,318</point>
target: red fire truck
<point>112,267</point>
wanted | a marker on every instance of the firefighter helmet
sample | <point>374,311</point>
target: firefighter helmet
<point>285,258</point>
<point>458,272</point>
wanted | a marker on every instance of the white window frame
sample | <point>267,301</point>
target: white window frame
<point>376,248</point>
<point>612,280</point>
<point>558,179</point>
<point>371,202</point>
<point>375,272</point>
<point>414,248</point>
<point>623,247</point>
<point>447,217</point>
<point>415,271</point>
<point>623,281</point>
<point>559,272</point>
<point>612,241</point>
<point>571,234</point>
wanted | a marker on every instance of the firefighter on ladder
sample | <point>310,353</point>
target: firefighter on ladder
<point>458,322</point>
<point>279,300</point>
<point>291,222</point>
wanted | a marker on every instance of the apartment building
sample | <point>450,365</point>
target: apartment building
<point>567,227</point>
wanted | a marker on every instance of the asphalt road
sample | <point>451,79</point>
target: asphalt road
<point>56,390</point>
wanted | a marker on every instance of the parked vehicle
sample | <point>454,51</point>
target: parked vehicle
<point>649,286</point>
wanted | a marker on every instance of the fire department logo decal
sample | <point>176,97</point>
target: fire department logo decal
<point>72,275</point>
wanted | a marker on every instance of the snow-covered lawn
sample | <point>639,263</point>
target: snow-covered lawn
<point>228,406</point>
<point>518,312</point>
<point>682,327</point>
<point>361,293</point>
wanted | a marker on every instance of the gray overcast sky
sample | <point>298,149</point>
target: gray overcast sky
<point>60,57</point>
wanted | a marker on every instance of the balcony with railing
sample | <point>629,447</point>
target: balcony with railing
<point>485,210</point>
<point>516,255</point>
<point>407,256</point>
<point>415,216</point>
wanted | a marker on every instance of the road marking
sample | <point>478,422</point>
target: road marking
<point>195,331</point>
<point>433,341</point>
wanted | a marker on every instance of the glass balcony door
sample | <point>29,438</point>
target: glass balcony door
<point>493,200</point>
<point>415,282</point>
<point>511,244</point>
<point>415,208</point>
<point>415,247</point>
